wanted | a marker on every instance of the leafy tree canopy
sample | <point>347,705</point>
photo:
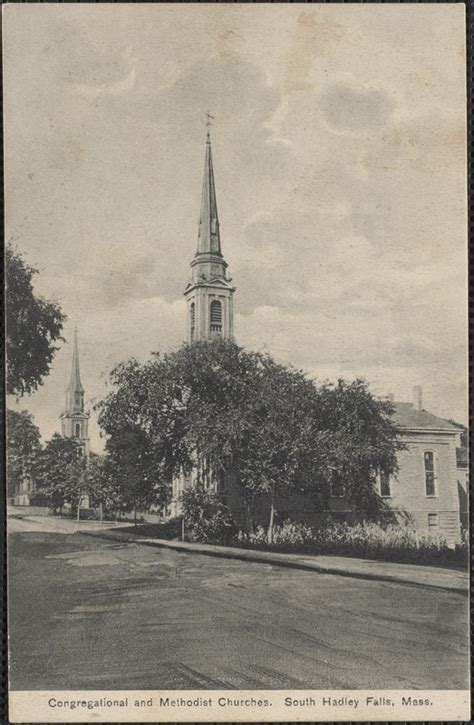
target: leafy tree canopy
<point>60,472</point>
<point>23,446</point>
<point>241,412</point>
<point>34,325</point>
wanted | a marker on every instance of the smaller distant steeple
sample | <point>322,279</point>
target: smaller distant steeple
<point>74,421</point>
<point>75,391</point>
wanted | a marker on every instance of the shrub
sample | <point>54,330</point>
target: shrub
<point>206,518</point>
<point>367,540</point>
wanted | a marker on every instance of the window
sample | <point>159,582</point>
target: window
<point>216,316</point>
<point>78,430</point>
<point>430,475</point>
<point>192,315</point>
<point>385,491</point>
<point>433,522</point>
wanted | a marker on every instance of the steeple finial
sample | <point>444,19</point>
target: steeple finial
<point>209,238</point>
<point>209,120</point>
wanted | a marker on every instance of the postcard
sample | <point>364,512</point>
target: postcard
<point>236,338</point>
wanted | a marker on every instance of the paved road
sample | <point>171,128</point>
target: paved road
<point>88,614</point>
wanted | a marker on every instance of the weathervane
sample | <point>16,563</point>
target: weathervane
<point>209,120</point>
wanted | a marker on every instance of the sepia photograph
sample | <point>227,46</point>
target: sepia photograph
<point>236,362</point>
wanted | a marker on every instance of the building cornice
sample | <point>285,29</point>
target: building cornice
<point>427,431</point>
<point>217,284</point>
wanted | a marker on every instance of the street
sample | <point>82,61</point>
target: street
<point>86,613</point>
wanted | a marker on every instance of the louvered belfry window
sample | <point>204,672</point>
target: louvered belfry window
<point>216,316</point>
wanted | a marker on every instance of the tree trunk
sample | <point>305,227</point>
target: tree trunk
<point>249,521</point>
<point>272,516</point>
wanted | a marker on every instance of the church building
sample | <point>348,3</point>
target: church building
<point>423,493</point>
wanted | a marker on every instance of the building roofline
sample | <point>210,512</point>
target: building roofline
<point>411,429</point>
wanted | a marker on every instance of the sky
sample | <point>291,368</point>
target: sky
<point>340,165</point>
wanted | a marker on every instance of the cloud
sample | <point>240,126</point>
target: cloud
<point>355,110</point>
<point>116,88</point>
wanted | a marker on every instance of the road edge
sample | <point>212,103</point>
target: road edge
<point>269,558</point>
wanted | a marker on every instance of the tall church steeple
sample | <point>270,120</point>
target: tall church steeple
<point>74,421</point>
<point>209,237</point>
<point>75,391</point>
<point>209,294</point>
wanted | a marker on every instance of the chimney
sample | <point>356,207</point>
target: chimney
<point>418,397</point>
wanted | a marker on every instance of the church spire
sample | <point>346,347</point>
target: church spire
<point>209,238</point>
<point>75,391</point>
<point>74,420</point>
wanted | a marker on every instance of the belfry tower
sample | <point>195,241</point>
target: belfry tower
<point>74,421</point>
<point>209,294</point>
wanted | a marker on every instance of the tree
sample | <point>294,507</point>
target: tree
<point>33,327</point>
<point>23,447</point>
<point>213,407</point>
<point>361,441</point>
<point>140,463</point>
<point>102,487</point>
<point>60,472</point>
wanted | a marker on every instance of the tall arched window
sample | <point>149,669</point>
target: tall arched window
<point>192,317</point>
<point>430,473</point>
<point>216,316</point>
<point>78,430</point>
